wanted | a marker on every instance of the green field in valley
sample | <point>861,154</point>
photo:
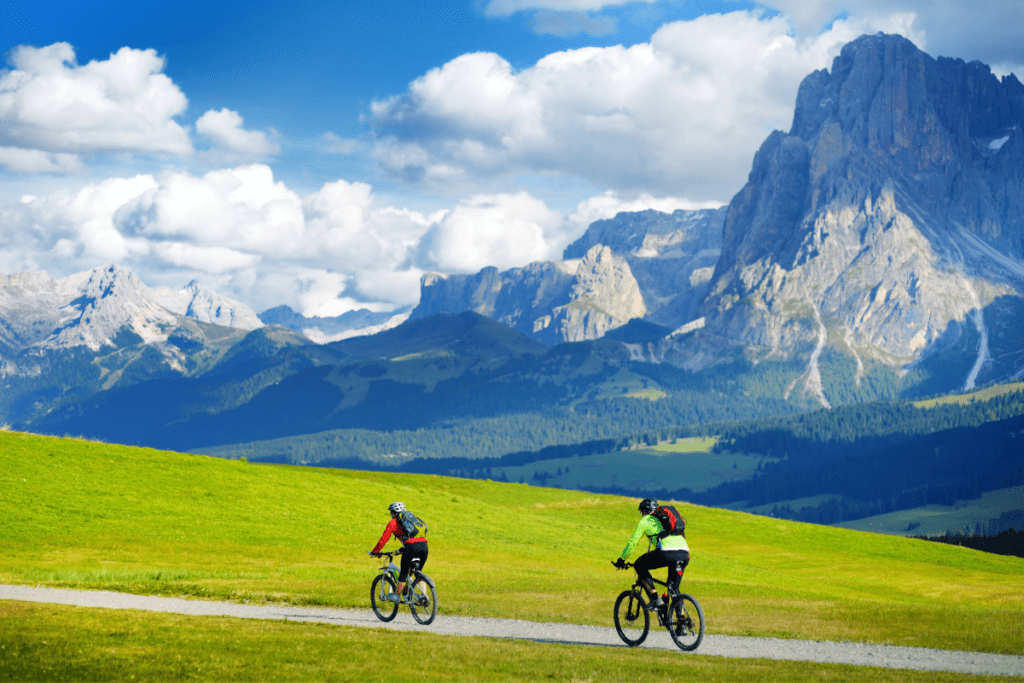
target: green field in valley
<point>670,465</point>
<point>935,520</point>
<point>91,515</point>
<point>979,395</point>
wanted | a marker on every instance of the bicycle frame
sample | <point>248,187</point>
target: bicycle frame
<point>420,592</point>
<point>391,568</point>
<point>632,621</point>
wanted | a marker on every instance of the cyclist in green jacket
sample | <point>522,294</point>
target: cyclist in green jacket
<point>670,551</point>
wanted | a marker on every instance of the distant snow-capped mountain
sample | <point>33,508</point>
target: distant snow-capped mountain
<point>92,308</point>
<point>206,306</point>
<point>327,329</point>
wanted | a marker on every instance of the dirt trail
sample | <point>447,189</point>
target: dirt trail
<point>858,654</point>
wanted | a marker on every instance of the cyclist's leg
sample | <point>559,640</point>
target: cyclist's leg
<point>644,564</point>
<point>420,552</point>
<point>677,561</point>
<point>404,567</point>
<point>411,552</point>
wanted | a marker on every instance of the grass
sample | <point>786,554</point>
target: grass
<point>686,463</point>
<point>935,520</point>
<point>90,515</point>
<point>980,395</point>
<point>56,642</point>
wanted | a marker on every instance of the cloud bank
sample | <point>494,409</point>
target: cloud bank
<point>55,112</point>
<point>52,108</point>
<point>680,115</point>
<point>246,235</point>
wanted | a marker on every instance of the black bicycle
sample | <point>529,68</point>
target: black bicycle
<point>420,594</point>
<point>681,615</point>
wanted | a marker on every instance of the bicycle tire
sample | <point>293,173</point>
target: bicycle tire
<point>685,623</point>
<point>424,603</point>
<point>629,610</point>
<point>381,586</point>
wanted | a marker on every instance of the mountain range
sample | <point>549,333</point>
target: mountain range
<point>882,235</point>
<point>876,251</point>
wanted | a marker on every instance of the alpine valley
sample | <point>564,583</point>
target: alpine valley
<point>874,257</point>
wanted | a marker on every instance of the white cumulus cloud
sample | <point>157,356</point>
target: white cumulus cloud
<point>246,235</point>
<point>224,129</point>
<point>681,115</point>
<point>22,160</point>
<point>52,107</point>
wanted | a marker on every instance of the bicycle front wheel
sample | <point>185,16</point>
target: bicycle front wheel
<point>423,604</point>
<point>631,618</point>
<point>685,622</point>
<point>382,587</point>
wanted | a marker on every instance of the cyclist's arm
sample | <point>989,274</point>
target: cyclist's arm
<point>648,526</point>
<point>388,530</point>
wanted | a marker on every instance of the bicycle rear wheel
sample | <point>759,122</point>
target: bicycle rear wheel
<point>631,618</point>
<point>381,587</point>
<point>424,601</point>
<point>685,622</point>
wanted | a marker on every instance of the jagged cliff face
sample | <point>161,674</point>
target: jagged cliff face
<point>551,302</point>
<point>643,264</point>
<point>672,256</point>
<point>209,307</point>
<point>886,224</point>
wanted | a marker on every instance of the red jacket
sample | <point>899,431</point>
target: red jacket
<point>393,528</point>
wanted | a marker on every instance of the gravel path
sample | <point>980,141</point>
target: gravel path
<point>724,646</point>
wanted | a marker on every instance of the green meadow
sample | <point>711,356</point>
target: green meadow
<point>54,642</point>
<point>82,514</point>
<point>671,464</point>
<point>979,395</point>
<point>935,520</point>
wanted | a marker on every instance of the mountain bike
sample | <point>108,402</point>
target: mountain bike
<point>681,615</point>
<point>420,593</point>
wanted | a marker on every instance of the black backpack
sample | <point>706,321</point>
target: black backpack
<point>671,521</point>
<point>408,525</point>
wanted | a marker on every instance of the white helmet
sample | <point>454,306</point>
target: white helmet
<point>395,508</point>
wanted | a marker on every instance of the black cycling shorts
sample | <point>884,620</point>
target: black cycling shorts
<point>412,551</point>
<point>662,558</point>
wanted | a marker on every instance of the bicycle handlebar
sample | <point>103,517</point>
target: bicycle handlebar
<point>388,553</point>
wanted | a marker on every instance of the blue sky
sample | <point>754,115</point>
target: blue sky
<point>325,155</point>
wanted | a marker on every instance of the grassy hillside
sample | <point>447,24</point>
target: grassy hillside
<point>92,515</point>
<point>979,395</point>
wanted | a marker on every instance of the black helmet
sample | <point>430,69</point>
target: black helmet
<point>647,506</point>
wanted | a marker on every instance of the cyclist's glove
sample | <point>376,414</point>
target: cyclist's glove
<point>373,554</point>
<point>619,563</point>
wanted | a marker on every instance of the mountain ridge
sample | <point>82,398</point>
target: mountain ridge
<point>886,225</point>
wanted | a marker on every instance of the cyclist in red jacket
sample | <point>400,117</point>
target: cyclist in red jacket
<point>405,526</point>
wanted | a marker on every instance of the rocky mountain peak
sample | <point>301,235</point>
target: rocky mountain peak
<point>92,308</point>
<point>638,264</point>
<point>886,224</point>
<point>207,306</point>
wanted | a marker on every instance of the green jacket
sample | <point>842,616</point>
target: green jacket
<point>650,526</point>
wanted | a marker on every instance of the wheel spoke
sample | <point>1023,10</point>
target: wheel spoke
<point>382,587</point>
<point>631,618</point>
<point>685,622</point>
<point>423,603</point>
